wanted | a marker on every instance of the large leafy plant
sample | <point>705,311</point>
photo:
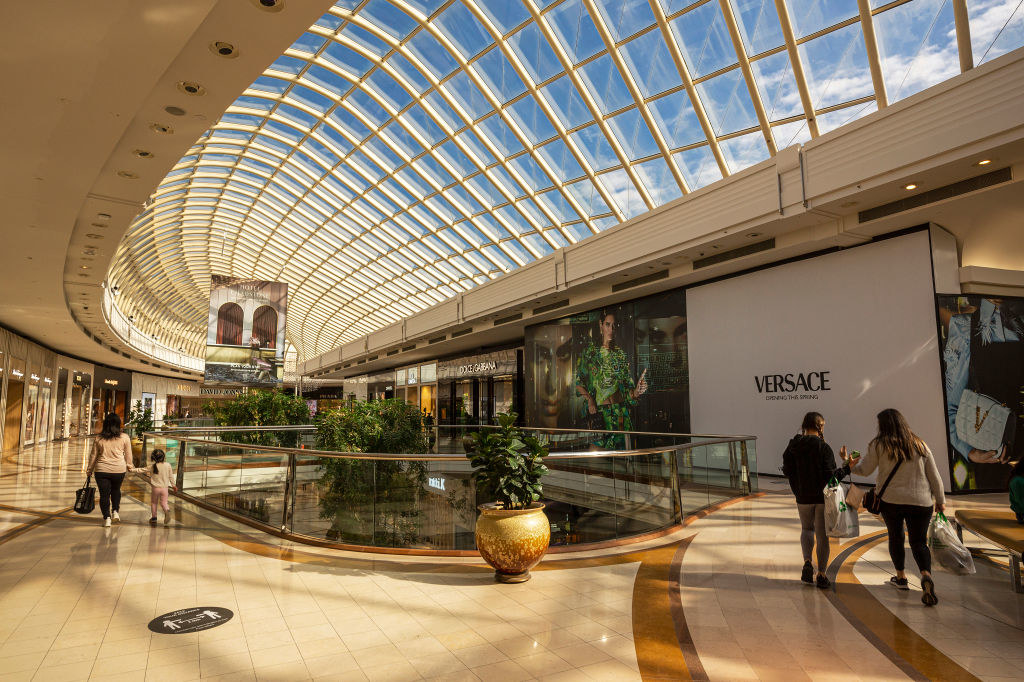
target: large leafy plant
<point>372,501</point>
<point>262,408</point>
<point>507,464</point>
<point>140,419</point>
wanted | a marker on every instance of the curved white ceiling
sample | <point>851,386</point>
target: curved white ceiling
<point>403,151</point>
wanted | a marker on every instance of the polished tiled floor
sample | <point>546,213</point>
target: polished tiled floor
<point>717,600</point>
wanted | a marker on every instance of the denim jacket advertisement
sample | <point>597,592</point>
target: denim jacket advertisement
<point>983,364</point>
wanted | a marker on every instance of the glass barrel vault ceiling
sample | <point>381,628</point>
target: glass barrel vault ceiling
<point>402,151</point>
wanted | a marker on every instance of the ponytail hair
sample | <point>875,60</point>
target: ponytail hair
<point>813,421</point>
<point>157,457</point>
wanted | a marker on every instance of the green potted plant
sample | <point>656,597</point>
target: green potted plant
<point>512,532</point>
<point>140,420</point>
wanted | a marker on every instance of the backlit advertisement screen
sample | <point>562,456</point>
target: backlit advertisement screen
<point>245,334</point>
<point>983,366</point>
<point>619,368</point>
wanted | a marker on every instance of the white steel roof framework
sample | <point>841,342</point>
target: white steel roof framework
<point>402,151</point>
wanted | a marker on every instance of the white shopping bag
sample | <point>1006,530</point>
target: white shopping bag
<point>946,547</point>
<point>840,519</point>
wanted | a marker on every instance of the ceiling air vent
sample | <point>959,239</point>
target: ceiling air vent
<point>462,332</point>
<point>372,358</point>
<point>938,194</point>
<point>406,349</point>
<point>507,319</point>
<point>436,339</point>
<point>550,306</point>
<point>646,279</point>
<point>346,365</point>
<point>393,352</point>
<point>747,250</point>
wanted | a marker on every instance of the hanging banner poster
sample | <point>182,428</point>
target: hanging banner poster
<point>618,368</point>
<point>245,334</point>
<point>983,365</point>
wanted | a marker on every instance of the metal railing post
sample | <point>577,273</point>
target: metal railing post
<point>745,475</point>
<point>677,500</point>
<point>289,494</point>
<point>179,475</point>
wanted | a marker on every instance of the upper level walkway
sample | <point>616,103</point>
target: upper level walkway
<point>718,599</point>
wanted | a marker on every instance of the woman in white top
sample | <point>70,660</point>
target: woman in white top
<point>112,458</point>
<point>908,499</point>
<point>160,482</point>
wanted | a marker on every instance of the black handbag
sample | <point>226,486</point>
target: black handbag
<point>873,500</point>
<point>85,498</point>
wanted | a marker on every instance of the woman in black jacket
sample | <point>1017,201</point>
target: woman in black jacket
<point>808,463</point>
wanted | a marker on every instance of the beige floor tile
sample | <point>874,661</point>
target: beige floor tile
<point>543,663</point>
<point>610,671</point>
<point>223,665</point>
<point>67,672</point>
<point>377,656</point>
<point>263,658</point>
<point>283,672</point>
<point>579,655</point>
<point>401,671</point>
<point>503,671</point>
<point>173,673</point>
<point>338,665</point>
<point>438,665</point>
<point>461,639</point>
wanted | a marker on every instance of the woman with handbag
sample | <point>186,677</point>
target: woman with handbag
<point>112,458</point>
<point>809,464</point>
<point>911,482</point>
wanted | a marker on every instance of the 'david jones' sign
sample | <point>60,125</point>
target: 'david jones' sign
<point>793,385</point>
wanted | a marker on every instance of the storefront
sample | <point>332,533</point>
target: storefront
<point>474,389</point>
<point>380,386</point>
<point>110,394</point>
<point>324,398</point>
<point>417,385</point>
<point>168,398</point>
<point>71,399</point>
<point>14,404</point>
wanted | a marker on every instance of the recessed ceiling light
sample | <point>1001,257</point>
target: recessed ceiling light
<point>161,128</point>
<point>142,153</point>
<point>753,234</point>
<point>92,235</point>
<point>191,88</point>
<point>910,186</point>
<point>223,49</point>
<point>103,216</point>
<point>127,175</point>
<point>269,5</point>
<point>984,162</point>
<point>174,111</point>
<point>85,267</point>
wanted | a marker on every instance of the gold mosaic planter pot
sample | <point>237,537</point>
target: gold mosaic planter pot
<point>512,541</point>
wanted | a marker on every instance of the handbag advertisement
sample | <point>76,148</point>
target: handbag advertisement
<point>983,367</point>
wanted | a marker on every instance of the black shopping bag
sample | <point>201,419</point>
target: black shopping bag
<point>85,498</point>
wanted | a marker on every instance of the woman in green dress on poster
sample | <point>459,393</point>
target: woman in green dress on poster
<point>602,377</point>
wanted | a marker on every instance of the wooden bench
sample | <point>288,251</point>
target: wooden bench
<point>1000,528</point>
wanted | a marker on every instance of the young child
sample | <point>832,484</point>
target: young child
<point>160,480</point>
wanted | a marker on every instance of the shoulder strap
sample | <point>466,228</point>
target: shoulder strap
<point>889,478</point>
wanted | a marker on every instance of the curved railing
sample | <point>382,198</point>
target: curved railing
<point>426,503</point>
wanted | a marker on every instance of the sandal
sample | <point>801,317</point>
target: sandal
<point>928,587</point>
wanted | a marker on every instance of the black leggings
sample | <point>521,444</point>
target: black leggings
<point>917,519</point>
<point>110,491</point>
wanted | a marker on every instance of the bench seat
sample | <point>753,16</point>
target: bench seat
<point>1000,528</point>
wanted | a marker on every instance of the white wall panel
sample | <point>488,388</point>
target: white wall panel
<point>865,315</point>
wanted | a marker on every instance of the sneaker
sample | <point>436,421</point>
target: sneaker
<point>899,583</point>
<point>152,521</point>
<point>116,516</point>
<point>928,588</point>
<point>807,575</point>
<point>106,522</point>
<point>822,582</point>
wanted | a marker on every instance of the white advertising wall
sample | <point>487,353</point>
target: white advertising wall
<point>847,334</point>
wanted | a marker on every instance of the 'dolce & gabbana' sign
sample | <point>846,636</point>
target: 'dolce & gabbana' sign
<point>793,385</point>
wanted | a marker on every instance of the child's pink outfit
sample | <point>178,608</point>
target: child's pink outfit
<point>160,482</point>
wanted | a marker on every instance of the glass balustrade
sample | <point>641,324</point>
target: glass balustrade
<point>274,478</point>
